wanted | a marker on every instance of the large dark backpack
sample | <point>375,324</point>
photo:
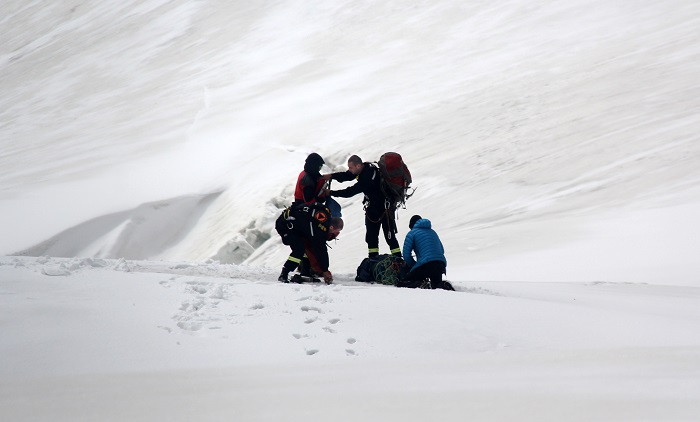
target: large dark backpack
<point>316,211</point>
<point>395,178</point>
<point>383,269</point>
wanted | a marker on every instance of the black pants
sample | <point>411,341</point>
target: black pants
<point>294,241</point>
<point>432,270</point>
<point>298,247</point>
<point>386,222</point>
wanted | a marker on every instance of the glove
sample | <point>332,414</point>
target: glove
<point>327,277</point>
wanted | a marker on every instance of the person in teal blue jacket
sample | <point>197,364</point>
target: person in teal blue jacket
<point>430,262</point>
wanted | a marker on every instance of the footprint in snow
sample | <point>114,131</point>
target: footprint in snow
<point>311,308</point>
<point>323,299</point>
<point>200,289</point>
<point>190,325</point>
<point>219,293</point>
<point>192,307</point>
<point>334,320</point>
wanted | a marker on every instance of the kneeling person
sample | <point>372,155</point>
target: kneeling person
<point>430,259</point>
<point>311,226</point>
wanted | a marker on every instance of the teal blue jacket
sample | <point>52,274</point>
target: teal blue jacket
<point>425,242</point>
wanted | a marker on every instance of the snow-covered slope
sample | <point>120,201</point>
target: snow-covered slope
<point>152,143</point>
<point>523,123</point>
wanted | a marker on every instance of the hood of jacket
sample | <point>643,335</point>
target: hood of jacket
<point>423,223</point>
<point>313,164</point>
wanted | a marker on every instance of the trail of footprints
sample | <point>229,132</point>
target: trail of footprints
<point>202,309</point>
<point>211,305</point>
<point>318,321</point>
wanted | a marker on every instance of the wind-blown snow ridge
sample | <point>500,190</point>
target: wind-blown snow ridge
<point>144,232</point>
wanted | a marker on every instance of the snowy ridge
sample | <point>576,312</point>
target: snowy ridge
<point>146,231</point>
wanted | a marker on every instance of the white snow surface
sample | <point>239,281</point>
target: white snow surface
<point>148,146</point>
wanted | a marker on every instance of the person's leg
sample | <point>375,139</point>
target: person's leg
<point>390,236</point>
<point>313,268</point>
<point>414,278</point>
<point>435,270</point>
<point>305,265</point>
<point>372,236</point>
<point>294,259</point>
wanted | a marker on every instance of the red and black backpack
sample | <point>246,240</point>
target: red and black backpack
<point>395,178</point>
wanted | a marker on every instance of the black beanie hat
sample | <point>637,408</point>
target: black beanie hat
<point>413,221</point>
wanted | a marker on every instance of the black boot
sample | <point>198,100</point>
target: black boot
<point>305,266</point>
<point>437,284</point>
<point>284,276</point>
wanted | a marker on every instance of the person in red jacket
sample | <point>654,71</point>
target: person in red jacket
<point>311,188</point>
<point>310,185</point>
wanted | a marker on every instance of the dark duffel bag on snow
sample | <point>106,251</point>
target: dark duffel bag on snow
<point>383,269</point>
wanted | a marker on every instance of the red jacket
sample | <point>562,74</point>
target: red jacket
<point>307,191</point>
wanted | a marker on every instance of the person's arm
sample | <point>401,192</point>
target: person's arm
<point>321,253</point>
<point>342,176</point>
<point>407,249</point>
<point>348,192</point>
